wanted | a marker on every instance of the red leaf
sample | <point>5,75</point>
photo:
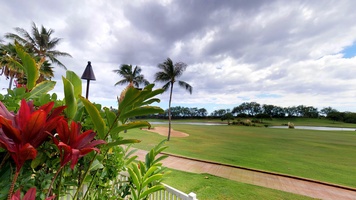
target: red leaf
<point>30,195</point>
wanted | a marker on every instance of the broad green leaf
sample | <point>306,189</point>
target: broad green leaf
<point>152,190</point>
<point>119,142</point>
<point>54,96</point>
<point>131,152</point>
<point>96,165</point>
<point>69,98</point>
<point>149,86</point>
<point>41,88</point>
<point>128,161</point>
<point>29,66</point>
<point>160,149</point>
<point>19,91</point>
<point>159,159</point>
<point>137,171</point>
<point>128,126</point>
<point>79,113</point>
<point>142,168</point>
<point>76,81</point>
<point>134,177</point>
<point>94,114</point>
<point>111,118</point>
<point>146,110</point>
<point>149,172</point>
<point>134,193</point>
<point>150,101</point>
<point>154,93</point>
<point>130,97</point>
<point>151,179</point>
<point>40,158</point>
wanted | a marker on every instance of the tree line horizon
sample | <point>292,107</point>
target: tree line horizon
<point>265,111</point>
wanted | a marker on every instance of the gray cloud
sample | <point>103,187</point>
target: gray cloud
<point>233,48</point>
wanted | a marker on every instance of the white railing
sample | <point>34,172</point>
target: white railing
<point>169,193</point>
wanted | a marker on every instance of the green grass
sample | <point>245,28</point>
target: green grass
<point>322,155</point>
<point>309,122</point>
<point>209,187</point>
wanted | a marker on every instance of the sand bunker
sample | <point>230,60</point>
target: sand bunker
<point>164,131</point>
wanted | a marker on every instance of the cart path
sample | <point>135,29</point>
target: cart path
<point>286,183</point>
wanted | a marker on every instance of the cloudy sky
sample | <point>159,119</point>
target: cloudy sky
<point>285,53</point>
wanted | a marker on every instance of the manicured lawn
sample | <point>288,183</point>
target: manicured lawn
<point>210,187</point>
<point>309,122</point>
<point>322,155</point>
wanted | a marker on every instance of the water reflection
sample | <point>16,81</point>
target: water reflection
<point>191,123</point>
<point>319,128</point>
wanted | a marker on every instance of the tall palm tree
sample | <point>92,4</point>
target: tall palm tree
<point>131,77</point>
<point>40,43</point>
<point>169,74</point>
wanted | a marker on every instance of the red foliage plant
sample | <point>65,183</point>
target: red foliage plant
<point>73,144</point>
<point>22,133</point>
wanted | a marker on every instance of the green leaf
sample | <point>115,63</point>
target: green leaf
<point>134,177</point>
<point>146,110</point>
<point>119,142</point>
<point>54,96</point>
<point>142,168</point>
<point>40,158</point>
<point>128,161</point>
<point>96,165</point>
<point>130,95</point>
<point>41,88</point>
<point>154,93</point>
<point>130,153</point>
<point>134,193</point>
<point>151,190</point>
<point>128,126</point>
<point>69,98</point>
<point>76,81</point>
<point>29,66</point>
<point>18,92</point>
<point>137,171</point>
<point>160,149</point>
<point>94,114</point>
<point>79,113</point>
<point>149,172</point>
<point>150,101</point>
<point>111,118</point>
<point>151,179</point>
<point>159,159</point>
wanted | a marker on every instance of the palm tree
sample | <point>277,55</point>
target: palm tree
<point>40,43</point>
<point>7,66</point>
<point>169,74</point>
<point>133,78</point>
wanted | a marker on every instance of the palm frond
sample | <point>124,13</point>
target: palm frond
<point>166,86</point>
<point>186,86</point>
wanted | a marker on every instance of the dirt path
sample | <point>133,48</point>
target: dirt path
<point>300,186</point>
<point>164,131</point>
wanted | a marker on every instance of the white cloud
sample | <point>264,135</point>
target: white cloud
<point>273,52</point>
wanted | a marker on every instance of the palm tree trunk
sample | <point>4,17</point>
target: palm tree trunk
<point>169,113</point>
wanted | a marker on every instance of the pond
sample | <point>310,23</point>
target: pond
<point>191,123</point>
<point>319,128</point>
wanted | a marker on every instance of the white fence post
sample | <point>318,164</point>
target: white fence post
<point>192,196</point>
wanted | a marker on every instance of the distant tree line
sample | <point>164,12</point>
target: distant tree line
<point>264,111</point>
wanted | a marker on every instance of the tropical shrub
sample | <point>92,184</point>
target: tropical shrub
<point>53,148</point>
